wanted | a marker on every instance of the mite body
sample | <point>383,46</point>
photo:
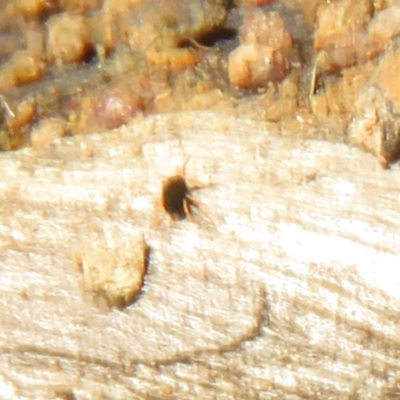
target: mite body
<point>176,198</point>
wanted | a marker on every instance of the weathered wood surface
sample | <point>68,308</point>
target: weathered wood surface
<point>285,286</point>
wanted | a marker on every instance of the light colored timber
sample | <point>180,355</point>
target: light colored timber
<point>286,284</point>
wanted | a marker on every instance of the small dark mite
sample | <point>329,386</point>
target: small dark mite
<point>176,198</point>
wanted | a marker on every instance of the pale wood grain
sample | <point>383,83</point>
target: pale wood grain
<point>285,285</point>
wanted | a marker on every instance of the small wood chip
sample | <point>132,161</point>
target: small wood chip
<point>113,268</point>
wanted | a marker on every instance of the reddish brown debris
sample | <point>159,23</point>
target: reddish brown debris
<point>263,55</point>
<point>376,124</point>
<point>67,38</point>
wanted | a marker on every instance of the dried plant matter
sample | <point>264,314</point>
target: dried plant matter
<point>288,290</point>
<point>113,267</point>
<point>263,55</point>
<point>375,124</point>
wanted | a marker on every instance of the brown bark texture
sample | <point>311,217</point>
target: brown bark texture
<point>284,284</point>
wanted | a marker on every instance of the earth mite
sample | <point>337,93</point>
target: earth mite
<point>176,195</point>
<point>176,198</point>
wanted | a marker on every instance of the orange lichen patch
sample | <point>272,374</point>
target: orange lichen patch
<point>381,4</point>
<point>36,9</point>
<point>343,44</point>
<point>375,124</point>
<point>346,34</point>
<point>174,58</point>
<point>106,23</point>
<point>285,100</point>
<point>9,44</point>
<point>385,25</point>
<point>35,41</point>
<point>29,8</point>
<point>257,3</point>
<point>15,122</point>
<point>18,124</point>
<point>22,67</point>
<point>78,6</point>
<point>112,9</point>
<point>157,26</point>
<point>319,106</point>
<point>23,113</point>
<point>26,67</point>
<point>310,9</point>
<point>252,66</point>
<point>47,130</point>
<point>113,268</point>
<point>263,55</point>
<point>84,117</point>
<point>154,40</point>
<point>134,57</point>
<point>386,76</point>
<point>347,52</point>
<point>202,100</point>
<point>374,128</point>
<point>266,29</point>
<point>67,38</point>
<point>341,94</point>
<point>340,19</point>
<point>7,77</point>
